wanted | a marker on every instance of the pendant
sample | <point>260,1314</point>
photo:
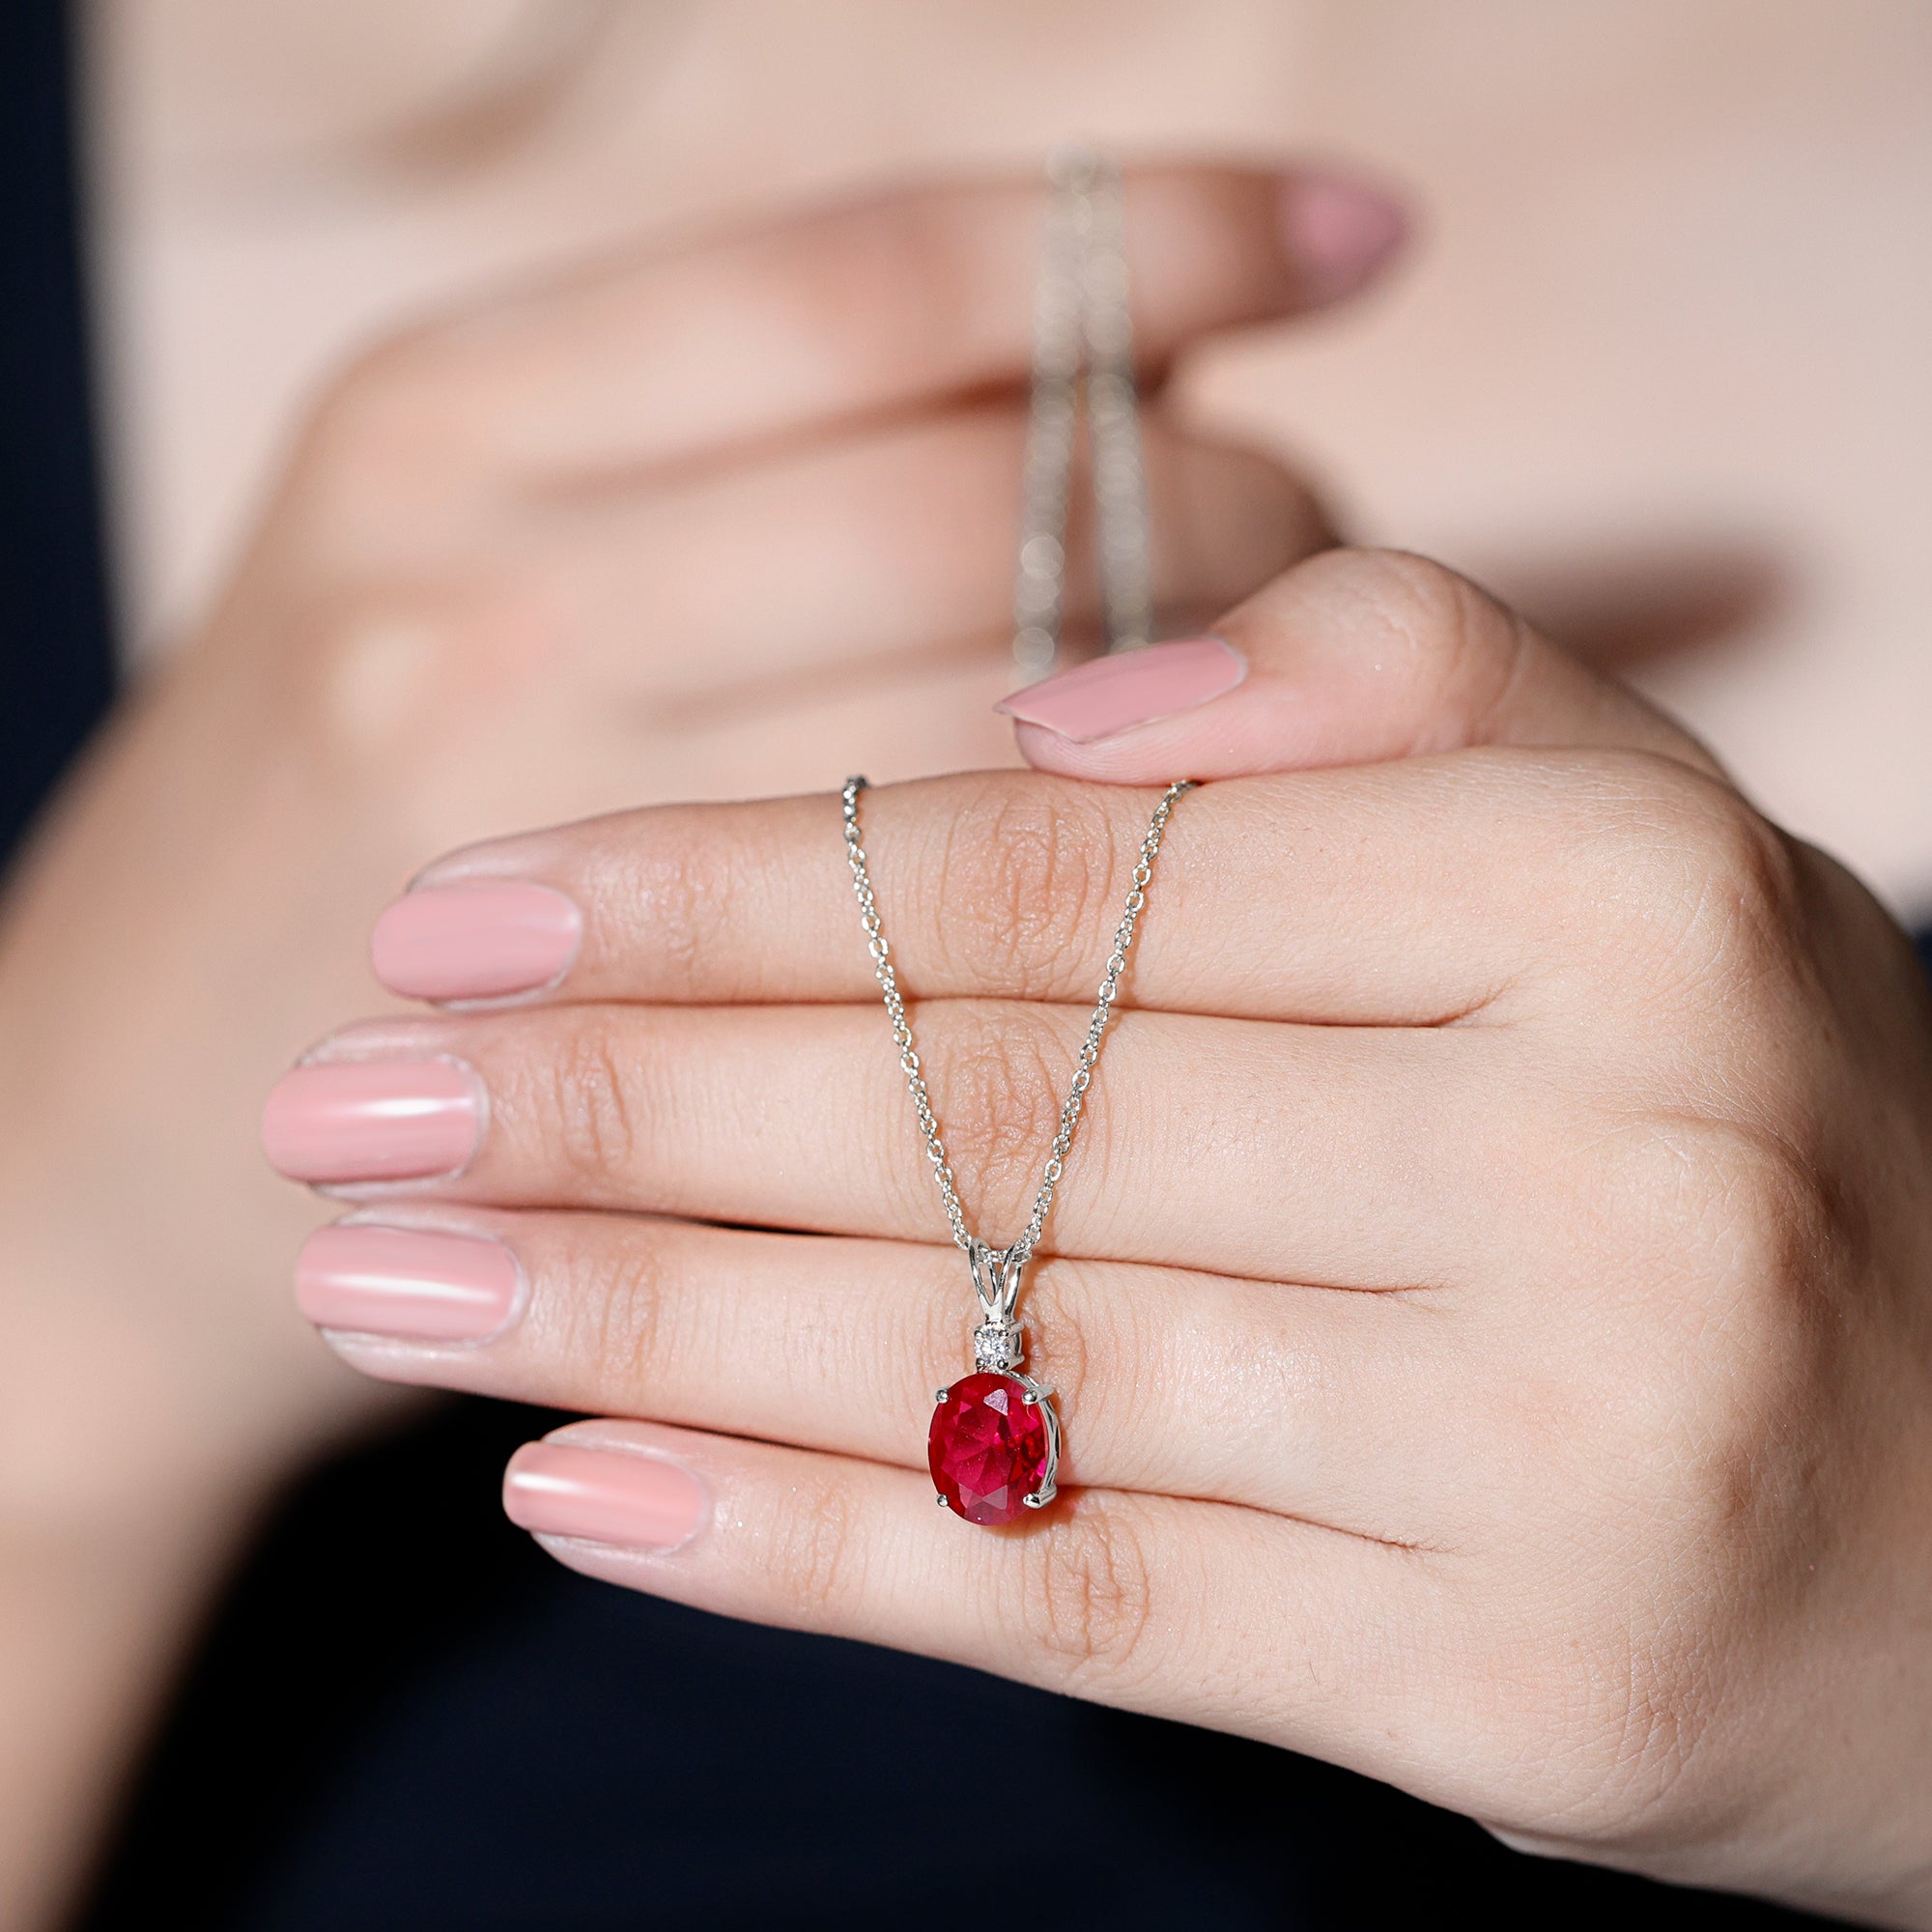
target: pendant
<point>994,1444</point>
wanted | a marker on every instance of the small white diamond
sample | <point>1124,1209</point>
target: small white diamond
<point>995,1346</point>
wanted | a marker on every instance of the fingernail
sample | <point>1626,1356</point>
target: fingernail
<point>373,1120</point>
<point>481,940</point>
<point>415,1284</point>
<point>607,1496</point>
<point>1338,231</point>
<point>1115,693</point>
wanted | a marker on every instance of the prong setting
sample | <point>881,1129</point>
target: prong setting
<point>1039,1396</point>
<point>994,1458</point>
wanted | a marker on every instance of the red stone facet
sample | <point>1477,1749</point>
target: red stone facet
<point>986,1448</point>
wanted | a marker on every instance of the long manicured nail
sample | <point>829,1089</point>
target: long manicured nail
<point>1115,693</point>
<point>484,939</point>
<point>1338,231</point>
<point>340,1122</point>
<point>605,1495</point>
<point>415,1284</point>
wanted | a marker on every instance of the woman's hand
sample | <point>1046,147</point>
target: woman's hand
<point>682,522</point>
<point>1489,1295</point>
<point>632,535</point>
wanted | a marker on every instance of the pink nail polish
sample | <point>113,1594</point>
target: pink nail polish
<point>340,1122</point>
<point>483,939</point>
<point>1115,693</point>
<point>415,1284</point>
<point>607,1496</point>
<point>1338,232</point>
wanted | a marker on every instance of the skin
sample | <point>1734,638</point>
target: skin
<point>1655,370</point>
<point>503,580</point>
<point>1488,1296</point>
<point>401,163</point>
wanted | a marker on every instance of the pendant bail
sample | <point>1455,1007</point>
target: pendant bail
<point>998,1342</point>
<point>996,1279</point>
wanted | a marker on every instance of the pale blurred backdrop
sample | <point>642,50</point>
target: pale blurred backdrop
<point>1655,366</point>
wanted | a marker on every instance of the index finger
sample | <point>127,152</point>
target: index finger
<point>864,308</point>
<point>1395,894</point>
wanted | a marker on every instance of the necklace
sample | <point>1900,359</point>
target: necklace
<point>1082,326</point>
<point>994,1443</point>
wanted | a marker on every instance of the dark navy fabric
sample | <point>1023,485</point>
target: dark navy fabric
<point>408,1719</point>
<point>403,1717</point>
<point>55,653</point>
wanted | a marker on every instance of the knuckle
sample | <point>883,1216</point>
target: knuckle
<point>680,884</point>
<point>389,419</point>
<point>925,1328</point>
<point>1079,1331</point>
<point>1226,520</point>
<point>1431,629</point>
<point>1000,1094</point>
<point>617,1308</point>
<point>1632,1729</point>
<point>392,689</point>
<point>867,287</point>
<point>1026,873</point>
<point>374,660</point>
<point>809,1548</point>
<point>584,1109</point>
<point>1093,1348</point>
<point>1705,888</point>
<point>1087,1601</point>
<point>1706,1415</point>
<point>1748,1222</point>
<point>1771,1216</point>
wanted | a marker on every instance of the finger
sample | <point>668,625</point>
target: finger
<point>1192,1610</point>
<point>1399,893</point>
<point>883,548</point>
<point>1309,1402</point>
<point>875,306</point>
<point>1351,657</point>
<point>1385,1147</point>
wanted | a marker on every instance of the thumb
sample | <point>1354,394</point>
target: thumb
<point>1350,658</point>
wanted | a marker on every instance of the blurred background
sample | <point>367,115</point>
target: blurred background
<point>1653,366</point>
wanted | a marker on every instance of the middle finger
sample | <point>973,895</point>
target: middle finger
<point>1351,1156</point>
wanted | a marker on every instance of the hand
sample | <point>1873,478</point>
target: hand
<point>679,524</point>
<point>509,578</point>
<point>1488,1298</point>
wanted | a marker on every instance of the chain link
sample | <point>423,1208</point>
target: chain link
<point>1083,352</point>
<point>1083,339</point>
<point>1016,1257</point>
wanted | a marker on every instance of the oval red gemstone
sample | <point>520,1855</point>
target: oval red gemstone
<point>986,1448</point>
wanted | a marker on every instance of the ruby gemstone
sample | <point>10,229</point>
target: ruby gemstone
<point>986,1448</point>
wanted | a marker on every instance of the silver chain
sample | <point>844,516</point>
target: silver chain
<point>1083,349</point>
<point>1014,1257</point>
<point>1083,335</point>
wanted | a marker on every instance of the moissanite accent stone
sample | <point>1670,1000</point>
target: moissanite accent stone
<point>987,1448</point>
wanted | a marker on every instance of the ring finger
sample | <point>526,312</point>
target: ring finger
<point>1307,1402</point>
